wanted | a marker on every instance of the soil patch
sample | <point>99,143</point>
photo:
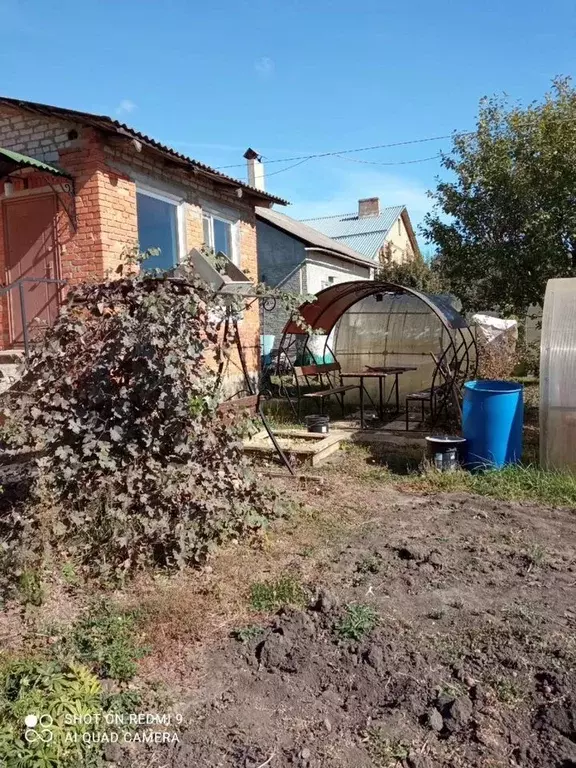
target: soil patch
<point>471,662</point>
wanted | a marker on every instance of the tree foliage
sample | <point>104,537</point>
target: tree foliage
<point>121,402</point>
<point>506,223</point>
<point>413,273</point>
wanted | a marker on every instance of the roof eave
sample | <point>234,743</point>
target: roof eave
<point>410,229</point>
<point>108,125</point>
<point>344,256</point>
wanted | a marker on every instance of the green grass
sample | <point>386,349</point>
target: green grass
<point>271,595</point>
<point>357,622</point>
<point>514,482</point>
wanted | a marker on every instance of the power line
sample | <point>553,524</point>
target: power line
<point>398,162</point>
<point>289,167</point>
<point>304,158</point>
<point>348,151</point>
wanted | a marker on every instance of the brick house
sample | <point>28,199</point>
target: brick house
<point>77,189</point>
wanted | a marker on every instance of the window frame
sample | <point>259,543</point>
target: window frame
<point>178,201</point>
<point>211,215</point>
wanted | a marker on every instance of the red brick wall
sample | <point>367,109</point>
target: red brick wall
<point>105,174</point>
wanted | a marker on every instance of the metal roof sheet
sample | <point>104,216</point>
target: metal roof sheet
<point>365,234</point>
<point>109,125</point>
<point>11,161</point>
<point>310,236</point>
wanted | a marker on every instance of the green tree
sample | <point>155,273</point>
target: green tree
<point>413,273</point>
<point>506,223</point>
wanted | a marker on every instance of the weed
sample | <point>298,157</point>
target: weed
<point>106,640</point>
<point>369,564</point>
<point>246,634</point>
<point>452,689</point>
<point>358,621</point>
<point>69,575</point>
<point>508,691</point>
<point>436,614</point>
<point>535,556</point>
<point>386,752</point>
<point>271,595</point>
<point>31,589</point>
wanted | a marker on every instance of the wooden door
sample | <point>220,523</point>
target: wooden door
<point>30,240</point>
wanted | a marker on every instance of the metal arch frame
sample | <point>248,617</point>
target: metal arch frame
<point>461,366</point>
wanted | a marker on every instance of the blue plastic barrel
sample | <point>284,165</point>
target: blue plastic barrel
<point>267,345</point>
<point>492,418</point>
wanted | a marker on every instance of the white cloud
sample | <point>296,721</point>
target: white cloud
<point>125,107</point>
<point>346,188</point>
<point>265,67</point>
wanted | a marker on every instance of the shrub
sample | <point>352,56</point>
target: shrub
<point>137,468</point>
<point>53,690</point>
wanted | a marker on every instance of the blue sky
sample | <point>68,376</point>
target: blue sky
<point>291,78</point>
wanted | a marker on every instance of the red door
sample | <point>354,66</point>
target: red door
<point>29,224</point>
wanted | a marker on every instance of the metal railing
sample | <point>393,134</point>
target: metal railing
<point>19,284</point>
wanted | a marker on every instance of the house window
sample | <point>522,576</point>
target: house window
<point>159,228</point>
<point>219,235</point>
<point>327,283</point>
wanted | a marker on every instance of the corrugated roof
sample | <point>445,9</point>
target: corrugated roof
<point>11,161</point>
<point>310,236</point>
<point>109,125</point>
<point>364,234</point>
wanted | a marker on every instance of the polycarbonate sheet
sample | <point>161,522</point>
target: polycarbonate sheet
<point>397,330</point>
<point>558,376</point>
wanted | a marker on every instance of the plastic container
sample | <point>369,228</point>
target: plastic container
<point>267,345</point>
<point>445,452</point>
<point>318,423</point>
<point>492,418</point>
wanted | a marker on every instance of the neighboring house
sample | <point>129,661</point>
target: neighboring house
<point>297,258</point>
<point>373,232</point>
<point>77,189</point>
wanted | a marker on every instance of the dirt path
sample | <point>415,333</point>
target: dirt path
<point>471,662</point>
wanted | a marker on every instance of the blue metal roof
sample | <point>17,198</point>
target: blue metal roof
<point>365,234</point>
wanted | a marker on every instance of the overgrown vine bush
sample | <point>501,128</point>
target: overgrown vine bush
<point>137,468</point>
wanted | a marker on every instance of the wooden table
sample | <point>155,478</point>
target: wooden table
<point>380,373</point>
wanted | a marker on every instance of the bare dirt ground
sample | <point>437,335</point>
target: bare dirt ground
<point>471,662</point>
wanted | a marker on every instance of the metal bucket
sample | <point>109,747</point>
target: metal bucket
<point>318,423</point>
<point>445,452</point>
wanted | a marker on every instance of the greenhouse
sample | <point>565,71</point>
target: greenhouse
<point>388,348</point>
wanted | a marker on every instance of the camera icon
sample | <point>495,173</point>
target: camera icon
<point>38,729</point>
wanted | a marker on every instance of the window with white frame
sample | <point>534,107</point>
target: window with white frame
<point>159,228</point>
<point>219,235</point>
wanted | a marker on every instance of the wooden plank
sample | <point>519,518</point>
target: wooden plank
<point>316,370</point>
<point>239,403</point>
